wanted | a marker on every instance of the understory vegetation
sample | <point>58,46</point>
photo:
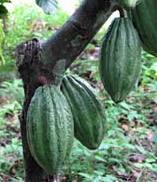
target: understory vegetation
<point>128,151</point>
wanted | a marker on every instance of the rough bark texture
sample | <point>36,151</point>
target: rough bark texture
<point>36,62</point>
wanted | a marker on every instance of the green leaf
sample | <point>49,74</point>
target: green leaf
<point>88,176</point>
<point>5,1</point>
<point>49,6</point>
<point>3,11</point>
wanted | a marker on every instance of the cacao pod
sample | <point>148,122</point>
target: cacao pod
<point>50,129</point>
<point>120,62</point>
<point>88,114</point>
<point>145,21</point>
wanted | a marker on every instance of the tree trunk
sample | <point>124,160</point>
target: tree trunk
<point>36,62</point>
<point>5,25</point>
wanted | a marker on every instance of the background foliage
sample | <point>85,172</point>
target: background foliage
<point>128,151</point>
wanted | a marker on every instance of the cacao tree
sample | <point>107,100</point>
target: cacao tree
<point>36,61</point>
<point>39,62</point>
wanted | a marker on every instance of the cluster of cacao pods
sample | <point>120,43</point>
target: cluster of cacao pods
<point>120,63</point>
<point>56,115</point>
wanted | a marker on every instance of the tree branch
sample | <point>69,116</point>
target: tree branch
<point>77,32</point>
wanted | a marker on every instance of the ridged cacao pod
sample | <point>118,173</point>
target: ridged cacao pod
<point>88,114</point>
<point>145,21</point>
<point>50,129</point>
<point>120,62</point>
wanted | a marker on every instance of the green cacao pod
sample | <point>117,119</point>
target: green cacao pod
<point>89,117</point>
<point>145,21</point>
<point>120,62</point>
<point>128,3</point>
<point>50,129</point>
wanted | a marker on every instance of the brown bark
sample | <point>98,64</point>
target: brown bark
<point>36,62</point>
<point>77,31</point>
